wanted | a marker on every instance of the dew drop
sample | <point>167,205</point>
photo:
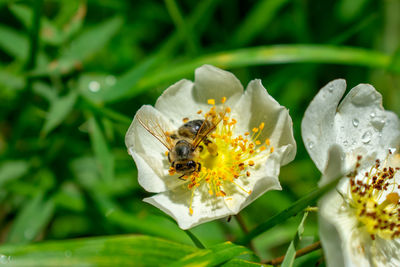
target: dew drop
<point>355,122</point>
<point>110,80</point>
<point>94,86</point>
<point>28,234</point>
<point>4,259</point>
<point>342,208</point>
<point>366,137</point>
<point>330,88</point>
<point>68,253</point>
<point>372,115</point>
<point>378,124</point>
<point>311,145</point>
<point>109,212</point>
<point>345,143</point>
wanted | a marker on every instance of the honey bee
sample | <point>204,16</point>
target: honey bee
<point>184,144</point>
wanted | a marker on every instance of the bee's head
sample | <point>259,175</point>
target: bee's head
<point>185,166</point>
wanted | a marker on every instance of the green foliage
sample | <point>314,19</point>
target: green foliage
<point>73,74</point>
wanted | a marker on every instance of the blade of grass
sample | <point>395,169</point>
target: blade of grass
<point>180,24</point>
<point>128,80</point>
<point>291,211</point>
<point>31,220</point>
<point>101,150</point>
<point>194,238</point>
<point>257,21</point>
<point>34,34</point>
<point>125,250</point>
<point>213,256</point>
<point>291,251</point>
<point>13,43</point>
<point>59,109</point>
<point>149,225</point>
<point>266,55</point>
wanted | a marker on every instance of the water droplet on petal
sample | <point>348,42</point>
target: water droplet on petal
<point>330,88</point>
<point>378,124</point>
<point>342,208</point>
<point>372,115</point>
<point>345,143</point>
<point>355,122</point>
<point>94,86</point>
<point>311,145</point>
<point>366,137</point>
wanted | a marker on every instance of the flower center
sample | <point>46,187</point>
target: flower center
<point>377,206</point>
<point>225,157</point>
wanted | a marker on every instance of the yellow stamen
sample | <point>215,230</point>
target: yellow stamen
<point>211,101</point>
<point>226,158</point>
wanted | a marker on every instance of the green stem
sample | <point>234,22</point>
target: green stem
<point>195,240</point>
<point>297,207</point>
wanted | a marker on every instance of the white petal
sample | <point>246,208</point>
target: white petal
<point>343,243</point>
<point>317,126</point>
<point>257,106</point>
<point>148,153</point>
<point>262,179</point>
<point>362,122</point>
<point>386,253</point>
<point>334,167</point>
<point>176,204</point>
<point>184,98</point>
<point>213,83</point>
<point>177,102</point>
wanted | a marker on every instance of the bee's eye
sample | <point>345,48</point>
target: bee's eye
<point>178,166</point>
<point>191,164</point>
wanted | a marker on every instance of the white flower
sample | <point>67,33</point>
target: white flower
<point>251,142</point>
<point>360,220</point>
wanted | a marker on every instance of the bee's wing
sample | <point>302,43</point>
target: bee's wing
<point>215,120</point>
<point>155,127</point>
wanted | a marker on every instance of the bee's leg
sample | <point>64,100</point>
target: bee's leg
<point>211,147</point>
<point>198,166</point>
<point>180,177</point>
<point>200,148</point>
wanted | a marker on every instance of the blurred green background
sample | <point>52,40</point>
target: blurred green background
<point>73,73</point>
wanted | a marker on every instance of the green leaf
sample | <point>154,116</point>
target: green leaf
<point>100,251</point>
<point>11,80</point>
<point>242,263</point>
<point>60,108</point>
<point>146,223</point>
<point>12,169</point>
<point>92,40</point>
<point>291,251</point>
<point>31,220</point>
<point>267,55</point>
<point>13,43</point>
<point>49,33</point>
<point>101,150</point>
<point>213,256</point>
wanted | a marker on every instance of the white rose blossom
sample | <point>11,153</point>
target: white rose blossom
<point>360,220</point>
<point>252,140</point>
